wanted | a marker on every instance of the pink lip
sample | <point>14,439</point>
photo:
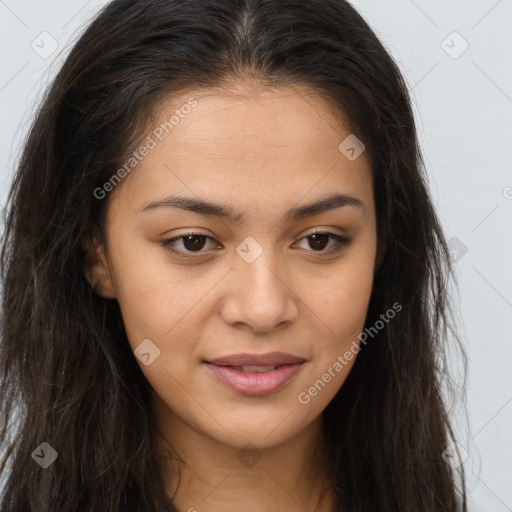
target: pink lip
<point>255,383</point>
<point>268,359</point>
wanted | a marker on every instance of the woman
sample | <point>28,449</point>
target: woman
<point>224,282</point>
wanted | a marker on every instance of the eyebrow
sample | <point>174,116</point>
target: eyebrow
<point>225,212</point>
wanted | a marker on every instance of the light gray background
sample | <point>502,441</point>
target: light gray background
<point>463,103</point>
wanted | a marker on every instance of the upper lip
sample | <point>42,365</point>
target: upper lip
<point>268,359</point>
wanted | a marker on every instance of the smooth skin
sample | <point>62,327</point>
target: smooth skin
<point>260,151</point>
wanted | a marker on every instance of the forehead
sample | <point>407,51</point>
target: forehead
<point>248,144</point>
<point>246,114</point>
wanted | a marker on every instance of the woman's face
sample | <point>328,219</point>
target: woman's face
<point>252,281</point>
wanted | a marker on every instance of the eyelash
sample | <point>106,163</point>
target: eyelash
<point>341,242</point>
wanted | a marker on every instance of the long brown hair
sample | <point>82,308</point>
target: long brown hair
<point>68,377</point>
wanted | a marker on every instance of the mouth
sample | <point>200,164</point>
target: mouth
<point>255,375</point>
<point>252,368</point>
<point>269,359</point>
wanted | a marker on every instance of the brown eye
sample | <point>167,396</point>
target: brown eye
<point>194,243</point>
<point>320,240</point>
<point>191,243</point>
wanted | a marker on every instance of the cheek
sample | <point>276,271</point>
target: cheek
<point>155,299</point>
<point>342,301</point>
<point>341,306</point>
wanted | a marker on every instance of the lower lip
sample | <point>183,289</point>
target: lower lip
<point>255,383</point>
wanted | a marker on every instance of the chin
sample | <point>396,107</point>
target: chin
<point>262,431</point>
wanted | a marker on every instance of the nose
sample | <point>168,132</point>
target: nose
<point>258,295</point>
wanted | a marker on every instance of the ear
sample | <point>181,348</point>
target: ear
<point>382,243</point>
<point>96,267</point>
